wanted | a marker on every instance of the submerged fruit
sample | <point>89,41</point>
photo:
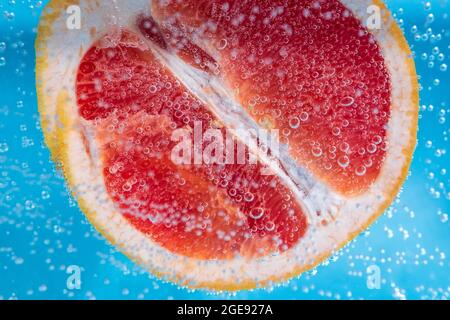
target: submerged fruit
<point>228,145</point>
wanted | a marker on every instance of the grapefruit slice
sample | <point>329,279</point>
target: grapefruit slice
<point>122,97</point>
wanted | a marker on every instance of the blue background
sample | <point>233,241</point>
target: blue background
<point>42,231</point>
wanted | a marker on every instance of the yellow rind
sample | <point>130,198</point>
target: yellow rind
<point>50,14</point>
<point>56,139</point>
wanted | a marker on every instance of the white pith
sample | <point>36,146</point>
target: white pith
<point>64,51</point>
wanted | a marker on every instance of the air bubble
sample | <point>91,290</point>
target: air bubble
<point>304,116</point>
<point>249,197</point>
<point>4,147</point>
<point>344,161</point>
<point>317,152</point>
<point>270,226</point>
<point>294,122</point>
<point>361,170</point>
<point>344,147</point>
<point>222,44</point>
<point>336,131</point>
<point>372,148</point>
<point>347,102</point>
<point>256,213</point>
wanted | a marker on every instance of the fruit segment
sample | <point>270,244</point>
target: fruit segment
<point>306,67</point>
<point>134,105</point>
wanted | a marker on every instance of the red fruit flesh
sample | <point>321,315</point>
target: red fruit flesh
<point>306,67</point>
<point>206,211</point>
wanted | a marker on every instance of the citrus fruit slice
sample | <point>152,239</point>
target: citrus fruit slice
<point>156,112</point>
